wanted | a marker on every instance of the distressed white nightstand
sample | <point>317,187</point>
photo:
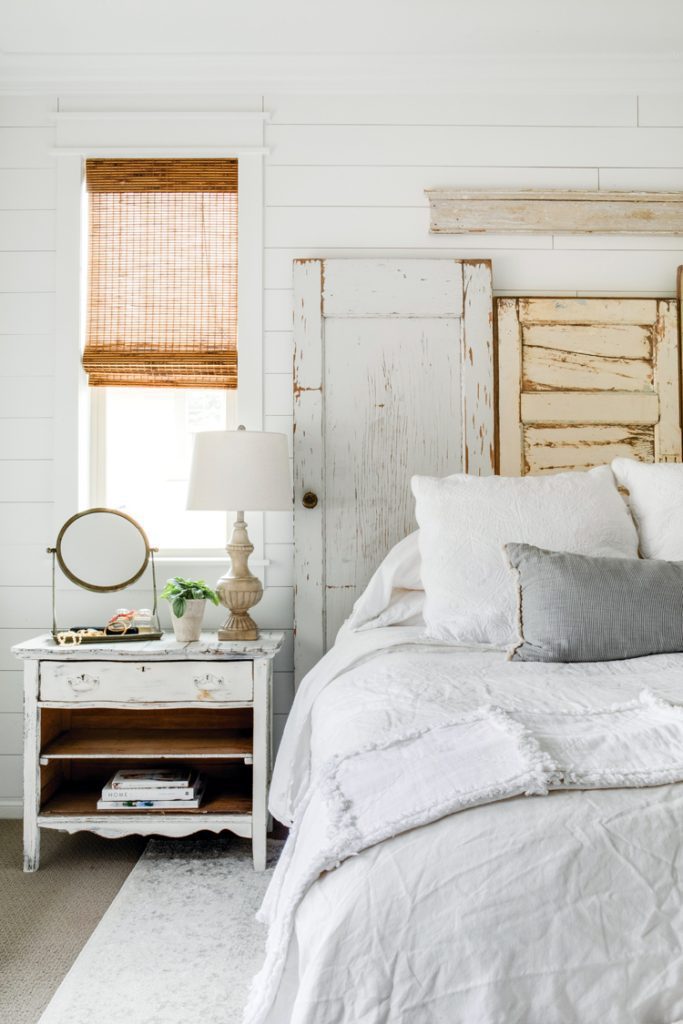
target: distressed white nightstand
<point>91,709</point>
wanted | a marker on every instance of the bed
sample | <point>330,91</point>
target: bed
<point>556,909</point>
<point>476,840</point>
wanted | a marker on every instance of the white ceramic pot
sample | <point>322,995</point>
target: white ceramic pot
<point>188,628</point>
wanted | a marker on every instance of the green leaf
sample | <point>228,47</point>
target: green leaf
<point>179,591</point>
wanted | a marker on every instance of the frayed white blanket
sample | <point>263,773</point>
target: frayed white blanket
<point>479,757</point>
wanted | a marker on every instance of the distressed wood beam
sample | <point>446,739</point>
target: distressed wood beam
<point>555,212</point>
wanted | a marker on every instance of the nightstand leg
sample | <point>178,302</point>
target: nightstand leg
<point>31,846</point>
<point>258,848</point>
<point>31,767</point>
<point>259,808</point>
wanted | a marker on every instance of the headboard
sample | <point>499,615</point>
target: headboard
<point>583,380</point>
<point>393,375</point>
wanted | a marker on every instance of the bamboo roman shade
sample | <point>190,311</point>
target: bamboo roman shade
<point>162,273</point>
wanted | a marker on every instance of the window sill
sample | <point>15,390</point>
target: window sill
<point>205,560</point>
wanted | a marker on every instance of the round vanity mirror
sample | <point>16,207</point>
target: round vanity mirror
<point>102,549</point>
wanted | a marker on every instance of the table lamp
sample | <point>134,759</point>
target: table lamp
<point>236,470</point>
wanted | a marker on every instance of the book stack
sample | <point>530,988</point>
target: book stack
<point>164,789</point>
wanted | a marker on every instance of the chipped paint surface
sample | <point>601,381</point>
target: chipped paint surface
<point>555,212</point>
<point>393,376</point>
<point>583,381</point>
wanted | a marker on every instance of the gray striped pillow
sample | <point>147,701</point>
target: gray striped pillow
<point>577,608</point>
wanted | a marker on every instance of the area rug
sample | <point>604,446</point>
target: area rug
<point>179,943</point>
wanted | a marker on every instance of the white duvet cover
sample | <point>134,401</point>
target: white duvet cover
<point>564,908</point>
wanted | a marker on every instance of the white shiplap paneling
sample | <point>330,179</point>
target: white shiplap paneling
<point>27,230</point>
<point>26,483</point>
<point>27,271</point>
<point>27,355</point>
<point>26,147</point>
<point>345,177</point>
<point>11,690</point>
<point>465,109</point>
<point>22,189</point>
<point>404,186</point>
<point>355,144</point>
<point>26,439</point>
<point>23,397</point>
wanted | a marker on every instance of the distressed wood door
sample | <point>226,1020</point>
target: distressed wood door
<point>393,369</point>
<point>582,381</point>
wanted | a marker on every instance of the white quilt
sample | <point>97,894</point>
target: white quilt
<point>562,909</point>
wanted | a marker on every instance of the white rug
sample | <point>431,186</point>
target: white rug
<point>178,945</point>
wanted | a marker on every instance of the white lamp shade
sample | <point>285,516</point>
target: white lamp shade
<point>234,470</point>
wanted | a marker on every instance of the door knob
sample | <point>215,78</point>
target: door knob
<point>309,500</point>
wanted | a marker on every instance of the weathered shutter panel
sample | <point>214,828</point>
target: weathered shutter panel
<point>582,381</point>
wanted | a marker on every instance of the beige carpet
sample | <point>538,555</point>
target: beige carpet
<point>47,917</point>
<point>178,945</point>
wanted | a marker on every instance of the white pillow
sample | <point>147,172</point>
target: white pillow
<point>394,595</point>
<point>465,520</point>
<point>655,497</point>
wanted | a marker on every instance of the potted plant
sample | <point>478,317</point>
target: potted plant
<point>187,599</point>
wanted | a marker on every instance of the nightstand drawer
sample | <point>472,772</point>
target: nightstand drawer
<point>90,682</point>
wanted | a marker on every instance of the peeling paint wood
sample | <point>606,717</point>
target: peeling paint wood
<point>547,368</point>
<point>555,449</point>
<point>510,429</point>
<point>45,720</point>
<point>401,288</point>
<point>577,392</point>
<point>478,367</point>
<point>611,341</point>
<point>392,409</point>
<point>403,384</point>
<point>31,766</point>
<point>587,311</point>
<point>309,351</point>
<point>667,371</point>
<point>555,212</point>
<point>600,407</point>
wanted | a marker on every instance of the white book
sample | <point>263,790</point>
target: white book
<point>111,792</point>
<point>151,778</point>
<point>151,805</point>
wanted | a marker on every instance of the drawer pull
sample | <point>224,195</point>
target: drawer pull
<point>83,683</point>
<point>209,683</point>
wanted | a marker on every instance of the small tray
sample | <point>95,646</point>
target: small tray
<point>109,638</point>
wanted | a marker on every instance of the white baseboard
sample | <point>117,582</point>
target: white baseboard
<point>11,809</point>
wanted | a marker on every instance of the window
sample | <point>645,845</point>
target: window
<point>161,334</point>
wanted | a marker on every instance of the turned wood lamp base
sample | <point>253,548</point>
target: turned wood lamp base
<point>239,627</point>
<point>238,590</point>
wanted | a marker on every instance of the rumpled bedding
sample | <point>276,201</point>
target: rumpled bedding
<point>562,908</point>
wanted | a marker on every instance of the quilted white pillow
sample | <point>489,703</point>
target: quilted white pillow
<point>394,595</point>
<point>655,497</point>
<point>465,520</point>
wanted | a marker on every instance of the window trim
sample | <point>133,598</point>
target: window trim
<point>230,135</point>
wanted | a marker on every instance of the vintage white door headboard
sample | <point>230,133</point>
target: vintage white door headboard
<point>393,375</point>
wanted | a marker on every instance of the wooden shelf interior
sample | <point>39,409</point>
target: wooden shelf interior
<point>81,748</point>
<point>140,744</point>
<point>178,734</point>
<point>72,789</point>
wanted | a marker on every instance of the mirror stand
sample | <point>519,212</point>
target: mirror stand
<point>112,522</point>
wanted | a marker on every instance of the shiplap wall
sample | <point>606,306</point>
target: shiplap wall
<point>344,177</point>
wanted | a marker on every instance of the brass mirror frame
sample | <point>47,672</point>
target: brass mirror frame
<point>92,586</point>
<point>57,559</point>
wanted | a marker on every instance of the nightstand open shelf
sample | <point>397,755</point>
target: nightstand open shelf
<point>140,744</point>
<point>75,800</point>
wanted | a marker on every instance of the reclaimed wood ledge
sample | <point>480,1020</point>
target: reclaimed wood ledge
<point>554,212</point>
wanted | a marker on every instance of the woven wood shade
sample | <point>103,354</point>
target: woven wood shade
<point>162,273</point>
